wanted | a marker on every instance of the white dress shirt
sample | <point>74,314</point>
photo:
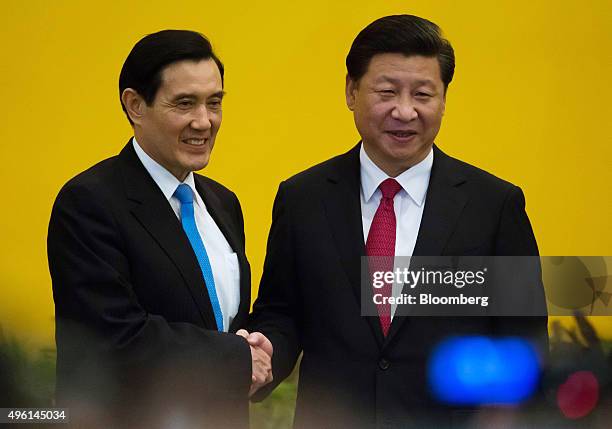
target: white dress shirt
<point>408,203</point>
<point>223,259</point>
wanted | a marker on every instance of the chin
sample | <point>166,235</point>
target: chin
<point>403,154</point>
<point>197,163</point>
<point>199,166</point>
<point>404,160</point>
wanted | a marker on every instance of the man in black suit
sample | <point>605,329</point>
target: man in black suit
<point>150,277</point>
<point>395,193</point>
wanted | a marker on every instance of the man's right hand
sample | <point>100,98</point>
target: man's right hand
<point>261,359</point>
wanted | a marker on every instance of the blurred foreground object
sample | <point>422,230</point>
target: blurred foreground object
<point>481,371</point>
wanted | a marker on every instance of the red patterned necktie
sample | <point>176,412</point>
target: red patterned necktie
<point>381,245</point>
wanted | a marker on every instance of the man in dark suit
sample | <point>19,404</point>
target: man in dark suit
<point>393,194</point>
<point>150,277</point>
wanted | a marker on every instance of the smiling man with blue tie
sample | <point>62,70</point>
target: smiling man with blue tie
<point>150,277</point>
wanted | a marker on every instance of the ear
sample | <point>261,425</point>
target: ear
<point>350,88</point>
<point>444,103</point>
<point>134,105</point>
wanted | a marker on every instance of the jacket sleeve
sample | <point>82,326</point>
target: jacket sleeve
<point>516,241</point>
<point>276,312</point>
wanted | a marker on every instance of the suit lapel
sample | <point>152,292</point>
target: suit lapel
<point>221,218</point>
<point>343,210</point>
<point>218,213</point>
<point>443,205</point>
<point>153,211</point>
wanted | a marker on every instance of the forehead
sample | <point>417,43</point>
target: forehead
<point>397,66</point>
<point>189,76</point>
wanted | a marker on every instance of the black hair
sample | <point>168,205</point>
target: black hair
<point>143,67</point>
<point>404,34</point>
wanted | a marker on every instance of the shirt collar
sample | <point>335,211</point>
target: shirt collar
<point>164,179</point>
<point>414,181</point>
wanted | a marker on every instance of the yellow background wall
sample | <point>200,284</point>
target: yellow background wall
<point>530,102</point>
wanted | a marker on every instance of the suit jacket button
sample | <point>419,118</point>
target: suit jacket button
<point>383,364</point>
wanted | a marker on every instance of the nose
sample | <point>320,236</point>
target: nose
<point>404,110</point>
<point>201,118</point>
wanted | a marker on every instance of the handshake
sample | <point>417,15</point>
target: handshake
<point>261,359</point>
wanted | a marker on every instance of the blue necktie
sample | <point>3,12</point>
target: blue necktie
<point>185,196</point>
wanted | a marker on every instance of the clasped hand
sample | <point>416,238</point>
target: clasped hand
<point>261,359</point>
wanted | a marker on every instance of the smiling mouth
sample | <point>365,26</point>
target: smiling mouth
<point>195,141</point>
<point>402,134</point>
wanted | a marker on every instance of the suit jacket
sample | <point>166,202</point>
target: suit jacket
<point>309,297</point>
<point>135,330</point>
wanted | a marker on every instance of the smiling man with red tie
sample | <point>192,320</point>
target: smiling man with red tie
<point>393,194</point>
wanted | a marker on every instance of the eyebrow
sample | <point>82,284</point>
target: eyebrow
<point>419,82</point>
<point>384,78</point>
<point>190,95</point>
